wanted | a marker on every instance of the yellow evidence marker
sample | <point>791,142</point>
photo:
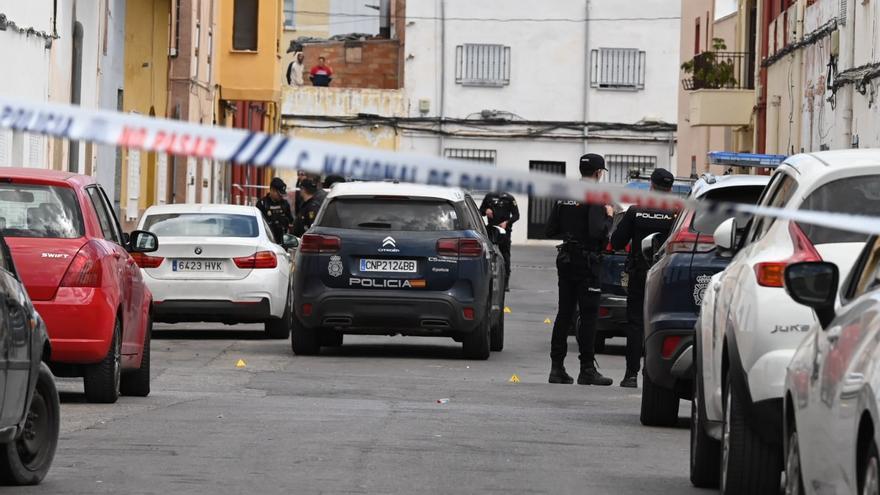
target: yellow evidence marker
<point>514,379</point>
<point>507,309</point>
<point>547,321</point>
<point>240,363</point>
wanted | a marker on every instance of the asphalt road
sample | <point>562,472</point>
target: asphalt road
<point>366,419</point>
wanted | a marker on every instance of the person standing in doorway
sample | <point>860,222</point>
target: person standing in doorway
<point>636,224</point>
<point>501,211</point>
<point>584,230</point>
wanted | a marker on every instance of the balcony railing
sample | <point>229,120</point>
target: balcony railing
<point>720,70</point>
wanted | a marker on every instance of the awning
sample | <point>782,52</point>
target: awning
<point>731,159</point>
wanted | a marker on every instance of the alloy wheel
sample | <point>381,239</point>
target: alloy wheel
<point>725,442</point>
<point>793,466</point>
<point>871,484</point>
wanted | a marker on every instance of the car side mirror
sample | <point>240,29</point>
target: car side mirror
<point>141,241</point>
<point>725,235</point>
<point>814,284</point>
<point>649,247</point>
<point>290,241</point>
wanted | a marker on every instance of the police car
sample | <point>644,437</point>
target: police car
<point>398,259</point>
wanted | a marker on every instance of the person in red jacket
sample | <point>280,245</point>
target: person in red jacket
<point>321,74</point>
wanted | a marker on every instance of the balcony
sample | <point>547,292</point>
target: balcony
<point>721,88</point>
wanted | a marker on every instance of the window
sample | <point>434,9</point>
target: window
<point>289,14</point>
<point>105,216</point>
<point>622,167</point>
<point>245,25</point>
<point>856,195</point>
<point>697,36</point>
<point>39,211</point>
<point>404,214</point>
<point>618,68</point>
<point>776,195</point>
<point>483,156</point>
<point>202,225</point>
<point>482,65</point>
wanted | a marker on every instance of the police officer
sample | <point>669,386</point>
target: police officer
<point>501,211</point>
<point>638,223</point>
<point>312,199</point>
<point>276,209</point>
<point>584,230</point>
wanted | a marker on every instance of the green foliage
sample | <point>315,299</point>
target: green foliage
<point>714,69</point>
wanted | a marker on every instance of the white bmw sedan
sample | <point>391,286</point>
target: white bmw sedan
<point>217,263</point>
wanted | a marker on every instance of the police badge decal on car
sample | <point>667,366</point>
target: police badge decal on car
<point>335,266</point>
<point>700,288</point>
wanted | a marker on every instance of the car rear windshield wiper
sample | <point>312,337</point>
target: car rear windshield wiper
<point>375,225</point>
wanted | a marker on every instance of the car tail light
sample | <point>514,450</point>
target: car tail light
<point>262,259</point>
<point>468,313</point>
<point>145,261</point>
<point>609,248</point>
<point>319,244</point>
<point>463,247</point>
<point>604,312</point>
<point>85,269</point>
<point>670,344</point>
<point>771,273</point>
<point>685,241</point>
<point>307,309</point>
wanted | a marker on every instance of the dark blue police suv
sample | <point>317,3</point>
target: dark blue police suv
<point>398,259</point>
<point>674,291</point>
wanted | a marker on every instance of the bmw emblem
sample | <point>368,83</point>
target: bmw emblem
<point>198,250</point>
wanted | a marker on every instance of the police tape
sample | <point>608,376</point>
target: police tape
<point>224,144</point>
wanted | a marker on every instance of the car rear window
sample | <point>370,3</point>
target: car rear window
<point>390,214</point>
<point>202,225</point>
<point>706,221</point>
<point>858,195</point>
<point>30,210</point>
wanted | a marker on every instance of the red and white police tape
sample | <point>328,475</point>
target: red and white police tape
<point>241,146</point>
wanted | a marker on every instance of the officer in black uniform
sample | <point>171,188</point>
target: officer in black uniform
<point>312,199</point>
<point>276,209</point>
<point>638,223</point>
<point>584,230</point>
<point>501,211</point>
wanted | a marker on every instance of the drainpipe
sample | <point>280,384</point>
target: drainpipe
<point>385,19</point>
<point>441,142</point>
<point>586,74</point>
<point>849,91</point>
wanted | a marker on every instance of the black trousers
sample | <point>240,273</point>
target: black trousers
<point>504,246</point>
<point>578,287</point>
<point>635,316</point>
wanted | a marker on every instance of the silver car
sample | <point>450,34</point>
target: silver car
<point>831,405</point>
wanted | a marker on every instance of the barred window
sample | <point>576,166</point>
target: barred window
<point>483,156</point>
<point>482,65</point>
<point>617,68</point>
<point>622,167</point>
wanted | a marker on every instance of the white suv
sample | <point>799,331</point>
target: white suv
<point>749,327</point>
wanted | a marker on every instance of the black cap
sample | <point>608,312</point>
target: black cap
<point>590,163</point>
<point>662,178</point>
<point>278,185</point>
<point>309,185</point>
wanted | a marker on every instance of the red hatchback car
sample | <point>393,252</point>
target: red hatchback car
<point>77,266</point>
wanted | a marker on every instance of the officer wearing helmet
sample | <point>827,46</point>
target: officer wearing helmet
<point>312,199</point>
<point>638,223</point>
<point>584,230</point>
<point>276,209</point>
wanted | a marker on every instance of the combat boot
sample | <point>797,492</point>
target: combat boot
<point>558,375</point>
<point>591,376</point>
<point>630,380</point>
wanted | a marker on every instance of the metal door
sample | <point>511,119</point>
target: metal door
<point>539,208</point>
